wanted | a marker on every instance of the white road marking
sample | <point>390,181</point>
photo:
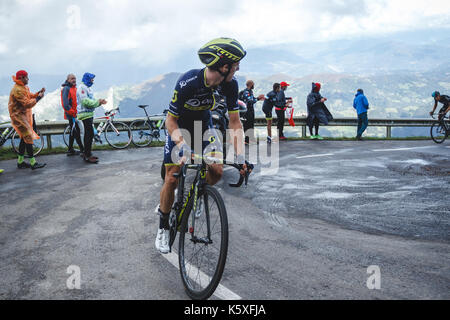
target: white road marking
<point>221,291</point>
<point>316,155</point>
<point>403,149</point>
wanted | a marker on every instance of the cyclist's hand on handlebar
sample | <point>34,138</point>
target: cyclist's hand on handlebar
<point>185,151</point>
<point>244,169</point>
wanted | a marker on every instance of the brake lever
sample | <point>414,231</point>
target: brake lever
<point>242,178</point>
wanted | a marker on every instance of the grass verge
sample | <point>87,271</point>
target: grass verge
<point>8,153</point>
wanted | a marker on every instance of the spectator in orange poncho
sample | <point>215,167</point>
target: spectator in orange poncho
<point>21,100</point>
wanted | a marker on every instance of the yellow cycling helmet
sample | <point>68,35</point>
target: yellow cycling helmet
<point>221,51</point>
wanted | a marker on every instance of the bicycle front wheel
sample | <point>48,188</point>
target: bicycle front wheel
<point>141,133</point>
<point>66,135</point>
<point>38,144</point>
<point>203,244</point>
<point>118,135</point>
<point>438,132</point>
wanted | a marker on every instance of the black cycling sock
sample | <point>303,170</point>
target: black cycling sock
<point>163,220</point>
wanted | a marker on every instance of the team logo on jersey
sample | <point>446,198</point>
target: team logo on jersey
<point>184,83</point>
<point>175,96</point>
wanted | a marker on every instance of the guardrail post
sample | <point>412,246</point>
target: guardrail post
<point>49,141</point>
<point>388,132</point>
<point>303,131</point>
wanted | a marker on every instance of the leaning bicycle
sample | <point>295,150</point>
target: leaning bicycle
<point>117,134</point>
<point>9,132</point>
<point>146,131</point>
<point>440,130</point>
<point>200,216</point>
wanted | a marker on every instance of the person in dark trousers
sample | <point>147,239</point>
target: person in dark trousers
<point>269,102</point>
<point>317,111</point>
<point>249,99</point>
<point>69,104</point>
<point>85,108</point>
<point>280,108</point>
<point>361,105</point>
<point>21,101</point>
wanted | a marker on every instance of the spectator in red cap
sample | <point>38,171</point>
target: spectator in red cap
<point>317,111</point>
<point>280,108</point>
<point>21,100</point>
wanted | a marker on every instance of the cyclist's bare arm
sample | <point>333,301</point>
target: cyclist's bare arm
<point>434,108</point>
<point>238,136</point>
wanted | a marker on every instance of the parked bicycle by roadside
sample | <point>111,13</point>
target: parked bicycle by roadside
<point>8,132</point>
<point>116,133</point>
<point>148,130</point>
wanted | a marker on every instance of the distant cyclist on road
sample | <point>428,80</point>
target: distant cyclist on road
<point>445,100</point>
<point>192,100</point>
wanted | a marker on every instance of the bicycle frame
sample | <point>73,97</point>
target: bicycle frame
<point>444,121</point>
<point>159,124</point>
<point>180,205</point>
<point>103,125</point>
<point>6,134</point>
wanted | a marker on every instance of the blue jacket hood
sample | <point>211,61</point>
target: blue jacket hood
<point>87,79</point>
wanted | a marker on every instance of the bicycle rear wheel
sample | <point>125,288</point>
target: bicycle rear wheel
<point>438,132</point>
<point>119,136</point>
<point>38,144</point>
<point>141,133</point>
<point>203,244</point>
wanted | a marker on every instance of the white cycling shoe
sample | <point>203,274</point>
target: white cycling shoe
<point>162,241</point>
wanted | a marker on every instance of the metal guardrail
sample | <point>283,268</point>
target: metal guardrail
<point>49,128</point>
<point>353,122</point>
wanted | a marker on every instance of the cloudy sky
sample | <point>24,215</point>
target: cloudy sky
<point>55,37</point>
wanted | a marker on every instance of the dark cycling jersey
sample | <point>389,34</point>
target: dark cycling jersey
<point>192,100</point>
<point>445,100</point>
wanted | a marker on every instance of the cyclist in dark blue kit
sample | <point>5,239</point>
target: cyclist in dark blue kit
<point>441,98</point>
<point>190,107</point>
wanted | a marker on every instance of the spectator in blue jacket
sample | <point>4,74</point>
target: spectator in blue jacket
<point>361,105</point>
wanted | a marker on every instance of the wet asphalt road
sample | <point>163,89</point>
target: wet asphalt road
<point>309,231</point>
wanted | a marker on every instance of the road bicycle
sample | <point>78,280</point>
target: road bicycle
<point>9,132</point>
<point>440,130</point>
<point>117,134</point>
<point>145,131</point>
<point>200,217</point>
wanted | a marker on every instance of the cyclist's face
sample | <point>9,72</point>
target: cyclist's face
<point>234,68</point>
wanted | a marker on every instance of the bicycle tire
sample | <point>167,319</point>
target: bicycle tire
<point>213,276</point>
<point>137,134</point>
<point>37,147</point>
<point>110,135</point>
<point>66,136</point>
<point>436,132</point>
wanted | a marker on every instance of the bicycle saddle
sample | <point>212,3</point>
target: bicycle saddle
<point>143,106</point>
